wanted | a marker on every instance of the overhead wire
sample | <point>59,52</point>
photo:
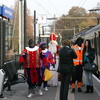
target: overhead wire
<point>80,2</point>
<point>79,10</point>
<point>42,7</point>
<point>54,7</point>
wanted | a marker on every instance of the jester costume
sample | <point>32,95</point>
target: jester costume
<point>50,61</point>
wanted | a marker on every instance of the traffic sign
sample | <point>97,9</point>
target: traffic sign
<point>42,19</point>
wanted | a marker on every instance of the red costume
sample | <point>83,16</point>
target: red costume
<point>31,59</point>
<point>54,49</point>
<point>53,45</point>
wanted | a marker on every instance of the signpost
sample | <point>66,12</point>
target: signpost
<point>42,19</point>
<point>7,12</point>
<point>0,10</point>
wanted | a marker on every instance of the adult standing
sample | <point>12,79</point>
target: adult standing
<point>89,56</point>
<point>66,55</point>
<point>54,49</point>
<point>31,58</point>
<point>78,71</point>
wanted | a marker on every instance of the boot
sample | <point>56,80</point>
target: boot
<point>79,86</point>
<point>73,88</point>
<point>91,88</point>
<point>73,91</point>
<point>87,89</point>
<point>79,90</point>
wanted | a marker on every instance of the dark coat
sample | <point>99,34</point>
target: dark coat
<point>91,55</point>
<point>66,56</point>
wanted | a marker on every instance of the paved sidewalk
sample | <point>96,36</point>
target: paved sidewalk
<point>70,95</point>
<point>20,92</point>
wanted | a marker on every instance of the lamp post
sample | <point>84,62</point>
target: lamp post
<point>20,26</point>
<point>25,35</point>
<point>98,17</point>
<point>39,40</point>
<point>34,27</point>
<point>42,30</point>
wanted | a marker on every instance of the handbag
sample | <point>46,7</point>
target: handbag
<point>90,67</point>
<point>47,75</point>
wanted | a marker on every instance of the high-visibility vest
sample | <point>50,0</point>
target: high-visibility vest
<point>79,53</point>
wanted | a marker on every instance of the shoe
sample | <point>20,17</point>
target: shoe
<point>40,92</point>
<point>73,91</point>
<point>79,90</point>
<point>91,89</point>
<point>30,95</point>
<point>87,89</point>
<point>46,89</point>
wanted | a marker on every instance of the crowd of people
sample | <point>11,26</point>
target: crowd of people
<point>67,62</point>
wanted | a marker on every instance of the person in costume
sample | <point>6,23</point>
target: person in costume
<point>53,47</point>
<point>50,60</point>
<point>30,57</point>
<point>78,62</point>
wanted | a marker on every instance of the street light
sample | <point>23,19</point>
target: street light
<point>21,24</point>
<point>25,35</point>
<point>98,18</point>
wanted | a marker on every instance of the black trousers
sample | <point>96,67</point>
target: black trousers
<point>77,74</point>
<point>44,84</point>
<point>65,80</point>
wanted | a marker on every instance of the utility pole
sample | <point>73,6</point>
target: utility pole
<point>54,23</point>
<point>74,31</point>
<point>34,27</point>
<point>25,35</point>
<point>43,32</point>
<point>1,42</point>
<point>39,40</point>
<point>20,26</point>
<point>98,17</point>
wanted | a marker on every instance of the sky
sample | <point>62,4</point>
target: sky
<point>51,7</point>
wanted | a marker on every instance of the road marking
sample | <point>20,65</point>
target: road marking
<point>70,95</point>
<point>96,78</point>
<point>98,92</point>
<point>57,93</point>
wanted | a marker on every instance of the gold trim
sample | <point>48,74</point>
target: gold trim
<point>37,58</point>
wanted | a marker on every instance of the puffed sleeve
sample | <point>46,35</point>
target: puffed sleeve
<point>22,56</point>
<point>44,59</point>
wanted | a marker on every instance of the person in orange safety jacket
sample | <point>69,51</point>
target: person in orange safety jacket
<point>78,71</point>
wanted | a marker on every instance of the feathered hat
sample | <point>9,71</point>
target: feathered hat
<point>42,43</point>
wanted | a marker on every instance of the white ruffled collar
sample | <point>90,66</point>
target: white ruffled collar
<point>44,51</point>
<point>32,49</point>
